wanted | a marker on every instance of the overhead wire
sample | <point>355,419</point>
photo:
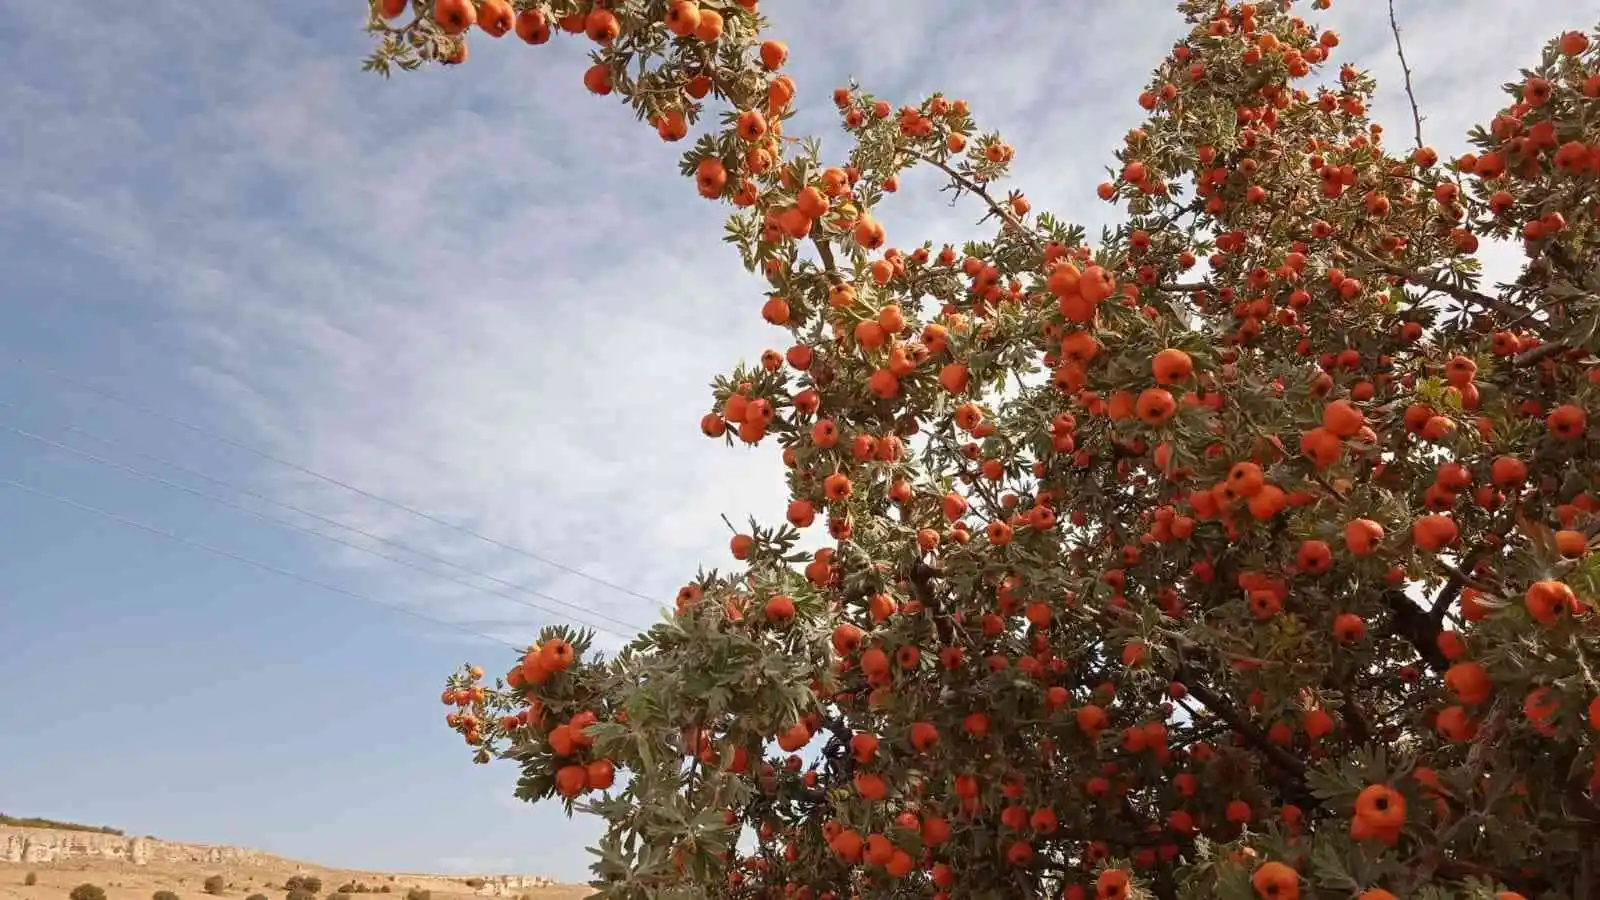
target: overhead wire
<point>305,470</point>
<point>269,567</point>
<point>232,504</point>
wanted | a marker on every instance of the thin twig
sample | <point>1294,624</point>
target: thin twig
<point>1416,115</point>
<point>1459,577</point>
<point>1465,295</point>
<point>975,188</point>
<point>1546,306</point>
<point>1462,577</point>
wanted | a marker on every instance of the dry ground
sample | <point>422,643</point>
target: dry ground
<point>125,881</point>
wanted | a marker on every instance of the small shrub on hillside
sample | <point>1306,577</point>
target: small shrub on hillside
<point>163,895</point>
<point>385,889</point>
<point>88,892</point>
<point>419,894</point>
<point>54,825</point>
<point>300,894</point>
<point>311,884</point>
<point>339,895</point>
<point>216,884</point>
<point>256,897</point>
<point>30,879</point>
<point>475,883</point>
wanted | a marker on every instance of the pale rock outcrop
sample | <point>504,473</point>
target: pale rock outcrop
<point>51,845</point>
<point>48,845</point>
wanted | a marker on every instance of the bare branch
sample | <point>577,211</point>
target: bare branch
<point>973,187</point>
<point>1416,115</point>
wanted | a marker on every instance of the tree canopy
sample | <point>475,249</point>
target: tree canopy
<point>1245,552</point>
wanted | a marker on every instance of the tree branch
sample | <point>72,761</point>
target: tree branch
<point>918,577</point>
<point>1218,706</point>
<point>1400,50</point>
<point>1422,279</point>
<point>825,253</point>
<point>975,188</point>
<point>1540,353</point>
<point>1418,626</point>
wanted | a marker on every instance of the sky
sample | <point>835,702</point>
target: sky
<point>476,292</point>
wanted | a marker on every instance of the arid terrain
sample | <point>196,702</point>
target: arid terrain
<point>131,868</point>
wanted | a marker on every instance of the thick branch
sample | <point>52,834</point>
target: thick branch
<point>918,577</point>
<point>1186,287</point>
<point>837,751</point>
<point>825,253</point>
<point>1418,626</point>
<point>1540,353</point>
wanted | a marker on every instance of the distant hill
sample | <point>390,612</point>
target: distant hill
<point>33,822</point>
<point>115,855</point>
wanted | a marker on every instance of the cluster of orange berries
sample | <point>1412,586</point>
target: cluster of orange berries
<point>568,740</point>
<point>1525,150</point>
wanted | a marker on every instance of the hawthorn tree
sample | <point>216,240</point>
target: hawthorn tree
<point>1264,578</point>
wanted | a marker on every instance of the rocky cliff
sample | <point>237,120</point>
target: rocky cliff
<point>47,845</point>
<point>43,846</point>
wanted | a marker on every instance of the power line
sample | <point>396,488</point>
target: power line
<point>327,537</point>
<point>253,562</point>
<point>329,479</point>
<point>255,495</point>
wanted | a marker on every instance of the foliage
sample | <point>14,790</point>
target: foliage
<point>299,894</point>
<point>30,879</point>
<point>33,822</point>
<point>311,884</point>
<point>215,884</point>
<point>88,892</point>
<point>169,895</point>
<point>256,897</point>
<point>1246,552</point>
<point>418,894</point>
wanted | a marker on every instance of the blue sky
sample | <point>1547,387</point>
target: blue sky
<point>478,292</point>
